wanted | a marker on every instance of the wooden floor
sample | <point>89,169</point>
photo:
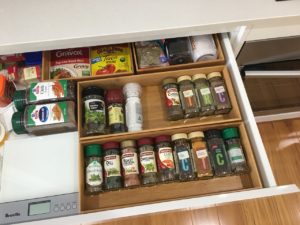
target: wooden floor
<point>281,141</point>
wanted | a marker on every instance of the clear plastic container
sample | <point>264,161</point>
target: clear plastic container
<point>179,50</point>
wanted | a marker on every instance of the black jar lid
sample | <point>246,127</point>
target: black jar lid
<point>213,134</point>
<point>92,90</point>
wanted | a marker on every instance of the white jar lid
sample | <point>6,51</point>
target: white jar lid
<point>132,90</point>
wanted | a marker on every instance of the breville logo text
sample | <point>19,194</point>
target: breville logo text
<point>12,215</point>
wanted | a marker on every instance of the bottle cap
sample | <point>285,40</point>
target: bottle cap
<point>114,96</point>
<point>92,90</point>
<point>231,132</point>
<point>145,141</point>
<point>196,134</point>
<point>93,150</point>
<point>169,81</point>
<point>128,143</point>
<point>199,76</point>
<point>20,99</point>
<point>111,145</point>
<point>212,134</point>
<point>18,123</point>
<point>132,90</point>
<point>179,136</point>
<point>214,74</point>
<point>162,138</point>
<point>182,78</point>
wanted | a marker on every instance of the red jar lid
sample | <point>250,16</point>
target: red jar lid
<point>111,145</point>
<point>145,141</point>
<point>162,138</point>
<point>114,96</point>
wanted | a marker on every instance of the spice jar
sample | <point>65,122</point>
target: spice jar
<point>204,95</point>
<point>179,50</point>
<point>7,90</point>
<point>115,101</point>
<point>217,152</point>
<point>165,160</point>
<point>174,110</point>
<point>94,110</point>
<point>112,165</point>
<point>200,155</point>
<point>220,94</point>
<point>147,161</point>
<point>188,97</point>
<point>130,169</point>
<point>93,169</point>
<point>235,150</point>
<point>133,107</point>
<point>184,157</point>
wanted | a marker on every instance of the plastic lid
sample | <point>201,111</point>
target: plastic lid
<point>179,136</point>
<point>128,143</point>
<point>162,138</point>
<point>169,81</point>
<point>231,132</point>
<point>93,150</point>
<point>18,123</point>
<point>182,78</point>
<point>20,99</point>
<point>2,85</point>
<point>213,134</point>
<point>111,145</point>
<point>214,74</point>
<point>145,141</point>
<point>196,134</point>
<point>199,76</point>
<point>114,96</point>
<point>92,90</point>
<point>132,90</point>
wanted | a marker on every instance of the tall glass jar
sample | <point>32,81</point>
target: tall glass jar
<point>184,157</point>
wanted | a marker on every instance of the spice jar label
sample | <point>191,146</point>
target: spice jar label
<point>148,163</point>
<point>47,114</point>
<point>112,166</point>
<point>183,155</point>
<point>130,163</point>
<point>172,97</point>
<point>205,91</point>
<point>94,111</point>
<point>94,176</point>
<point>166,158</point>
<point>138,113</point>
<point>236,155</point>
<point>219,89</point>
<point>31,73</point>
<point>218,155</point>
<point>188,93</point>
<point>115,114</point>
<point>202,153</point>
<point>48,90</point>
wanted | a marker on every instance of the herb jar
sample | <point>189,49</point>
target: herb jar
<point>112,165</point>
<point>184,157</point>
<point>130,168</point>
<point>93,169</point>
<point>165,159</point>
<point>94,110</point>
<point>147,161</point>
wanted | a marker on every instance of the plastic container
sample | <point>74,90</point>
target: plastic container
<point>179,50</point>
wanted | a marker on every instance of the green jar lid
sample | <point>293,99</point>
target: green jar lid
<point>17,122</point>
<point>231,132</point>
<point>93,150</point>
<point>20,99</point>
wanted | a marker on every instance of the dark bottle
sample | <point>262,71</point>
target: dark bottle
<point>218,154</point>
<point>184,157</point>
<point>220,94</point>
<point>173,105</point>
<point>93,169</point>
<point>179,50</point>
<point>115,110</point>
<point>112,165</point>
<point>235,150</point>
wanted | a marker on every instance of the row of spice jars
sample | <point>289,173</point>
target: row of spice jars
<point>199,95</point>
<point>107,107</point>
<point>180,156</point>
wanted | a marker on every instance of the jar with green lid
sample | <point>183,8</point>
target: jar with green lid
<point>172,100</point>
<point>219,92</point>
<point>204,94</point>
<point>93,169</point>
<point>188,96</point>
<point>235,150</point>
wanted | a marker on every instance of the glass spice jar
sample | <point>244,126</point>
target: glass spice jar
<point>94,110</point>
<point>200,155</point>
<point>165,159</point>
<point>204,95</point>
<point>235,150</point>
<point>188,97</point>
<point>129,160</point>
<point>93,169</point>
<point>217,152</point>
<point>174,110</point>
<point>147,161</point>
<point>112,165</point>
<point>184,157</point>
<point>220,94</point>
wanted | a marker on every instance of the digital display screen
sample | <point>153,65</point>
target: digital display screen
<point>37,208</point>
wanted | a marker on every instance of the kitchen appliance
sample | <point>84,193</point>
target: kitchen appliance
<point>39,178</point>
